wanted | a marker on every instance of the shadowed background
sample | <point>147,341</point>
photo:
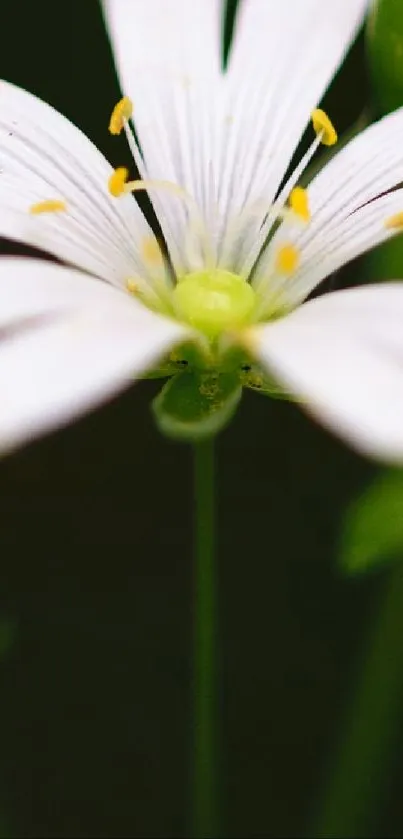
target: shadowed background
<point>96,569</point>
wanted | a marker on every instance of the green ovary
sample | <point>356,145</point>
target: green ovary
<point>214,301</point>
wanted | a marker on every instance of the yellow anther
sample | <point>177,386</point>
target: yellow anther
<point>299,203</point>
<point>121,112</point>
<point>324,127</point>
<point>117,181</point>
<point>132,286</point>
<point>395,222</point>
<point>48,207</point>
<point>287,259</point>
<point>151,251</point>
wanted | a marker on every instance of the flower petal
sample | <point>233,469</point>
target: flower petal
<point>348,208</point>
<point>32,289</point>
<point>226,139</point>
<point>168,59</point>
<point>283,58</point>
<point>342,354</point>
<point>91,343</point>
<point>44,157</point>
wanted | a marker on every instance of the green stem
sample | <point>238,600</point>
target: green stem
<point>362,767</point>
<point>205,758</point>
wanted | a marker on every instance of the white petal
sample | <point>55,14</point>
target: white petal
<point>342,355</point>
<point>226,139</point>
<point>348,218</point>
<point>168,59</point>
<point>91,343</point>
<point>44,156</point>
<point>283,58</point>
<point>33,288</point>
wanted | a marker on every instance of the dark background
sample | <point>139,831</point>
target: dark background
<point>96,569</point>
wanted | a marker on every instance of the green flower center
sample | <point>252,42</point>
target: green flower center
<point>214,301</point>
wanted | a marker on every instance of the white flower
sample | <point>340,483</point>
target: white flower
<point>215,148</point>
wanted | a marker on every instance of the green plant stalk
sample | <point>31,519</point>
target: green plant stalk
<point>361,771</point>
<point>205,815</point>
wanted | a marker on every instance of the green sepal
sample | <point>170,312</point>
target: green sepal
<point>373,528</point>
<point>164,371</point>
<point>385,52</point>
<point>186,356</point>
<point>254,378</point>
<point>193,406</point>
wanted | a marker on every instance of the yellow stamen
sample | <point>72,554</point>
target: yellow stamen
<point>117,181</point>
<point>151,251</point>
<point>324,128</point>
<point>118,185</point>
<point>132,286</point>
<point>48,207</point>
<point>121,112</point>
<point>299,203</point>
<point>144,185</point>
<point>287,259</point>
<point>395,222</point>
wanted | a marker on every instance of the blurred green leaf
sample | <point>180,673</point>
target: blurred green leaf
<point>373,528</point>
<point>385,52</point>
<point>194,406</point>
<point>385,58</point>
<point>385,262</point>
